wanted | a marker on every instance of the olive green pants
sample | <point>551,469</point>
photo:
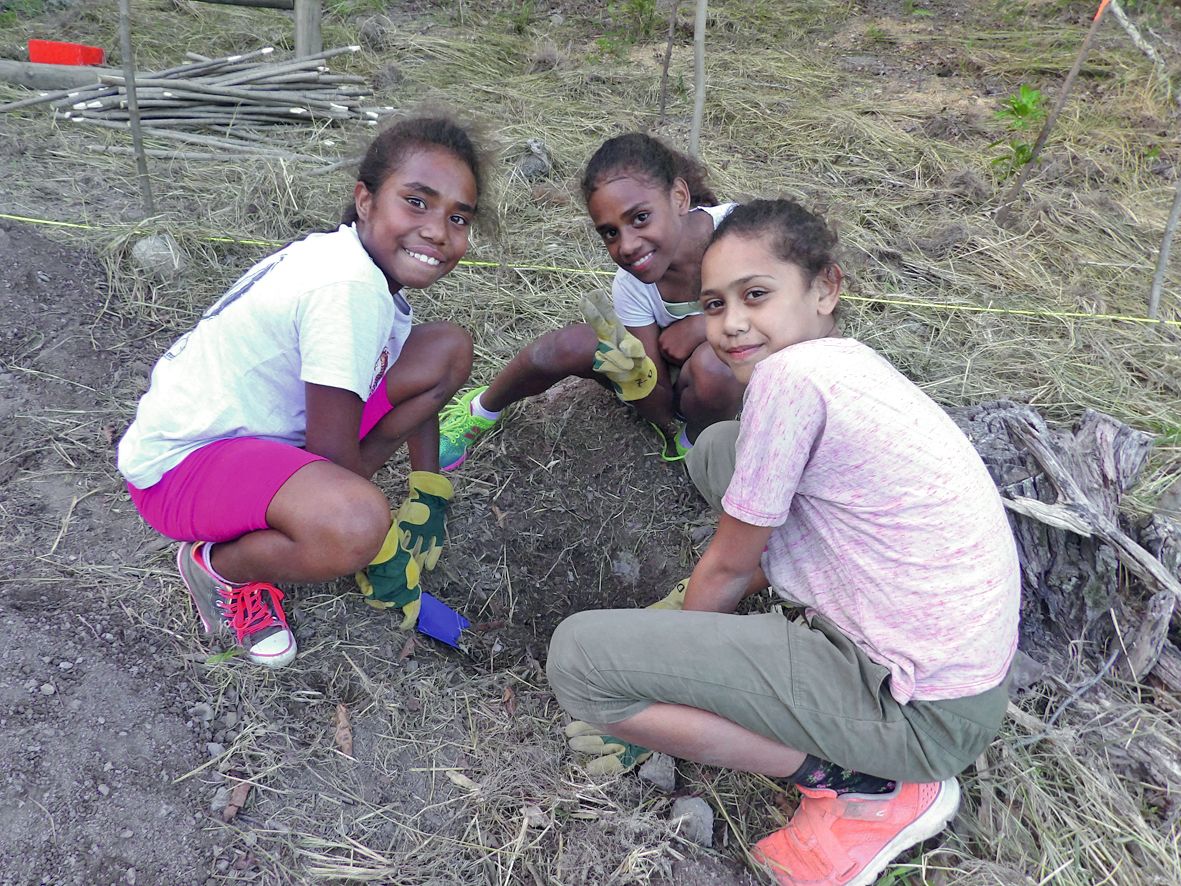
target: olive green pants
<point>802,683</point>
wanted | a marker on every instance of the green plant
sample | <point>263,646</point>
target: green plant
<point>521,15</point>
<point>631,22</point>
<point>1021,112</point>
<point>639,18</point>
<point>875,35</point>
<point>11,10</point>
<point>611,45</point>
<point>1024,109</point>
<point>910,7</point>
<point>345,8</point>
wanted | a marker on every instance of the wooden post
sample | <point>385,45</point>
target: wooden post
<point>1015,189</point>
<point>668,54</point>
<point>698,76</point>
<point>1162,260</point>
<point>307,28</point>
<point>257,4</point>
<point>307,21</point>
<point>137,139</point>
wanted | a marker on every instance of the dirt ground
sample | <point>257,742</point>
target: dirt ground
<point>96,726</point>
<point>113,741</point>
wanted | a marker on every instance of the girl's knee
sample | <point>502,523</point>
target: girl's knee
<point>566,351</point>
<point>711,380</point>
<point>568,665</point>
<point>350,526</point>
<point>453,348</point>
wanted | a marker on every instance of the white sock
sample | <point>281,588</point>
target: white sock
<point>207,558</point>
<point>478,409</point>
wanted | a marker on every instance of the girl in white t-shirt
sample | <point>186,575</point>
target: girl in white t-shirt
<point>257,439</point>
<point>655,213</point>
<point>852,494</point>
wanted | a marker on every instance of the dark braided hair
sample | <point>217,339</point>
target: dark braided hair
<point>794,234</point>
<point>392,146</point>
<point>648,158</point>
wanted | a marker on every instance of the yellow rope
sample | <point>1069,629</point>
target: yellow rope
<point>898,302</point>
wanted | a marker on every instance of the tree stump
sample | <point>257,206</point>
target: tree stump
<point>1063,490</point>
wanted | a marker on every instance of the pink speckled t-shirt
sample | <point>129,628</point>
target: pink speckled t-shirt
<point>887,521</point>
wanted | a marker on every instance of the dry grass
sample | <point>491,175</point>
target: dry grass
<point>901,162</point>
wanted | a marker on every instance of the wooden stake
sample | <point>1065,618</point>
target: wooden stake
<point>307,28</point>
<point>1002,214</point>
<point>258,4</point>
<point>1162,260</point>
<point>698,76</point>
<point>668,54</point>
<point>137,139</point>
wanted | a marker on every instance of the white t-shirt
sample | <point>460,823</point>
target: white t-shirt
<point>640,304</point>
<point>886,520</point>
<point>317,311</point>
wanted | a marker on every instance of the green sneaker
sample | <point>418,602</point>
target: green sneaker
<point>458,429</point>
<point>671,448</point>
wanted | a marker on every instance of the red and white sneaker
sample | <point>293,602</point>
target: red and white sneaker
<point>848,840</point>
<point>253,611</point>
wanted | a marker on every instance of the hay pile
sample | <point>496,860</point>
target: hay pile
<point>883,122</point>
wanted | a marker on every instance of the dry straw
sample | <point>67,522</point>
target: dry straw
<point>901,163</point>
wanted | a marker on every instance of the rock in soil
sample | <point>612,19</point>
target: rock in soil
<point>694,819</point>
<point>660,770</point>
<point>159,256</point>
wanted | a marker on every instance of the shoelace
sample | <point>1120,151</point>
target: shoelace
<point>249,613</point>
<point>452,410</point>
<point>458,410</point>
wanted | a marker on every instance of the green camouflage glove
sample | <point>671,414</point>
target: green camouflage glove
<point>391,580</point>
<point>674,599</point>
<point>619,356</point>
<point>421,521</point>
<point>612,756</point>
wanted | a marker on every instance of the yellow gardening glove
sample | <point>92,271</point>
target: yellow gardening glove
<point>674,599</point>
<point>421,521</point>
<point>391,580</point>
<point>612,755</point>
<point>619,355</point>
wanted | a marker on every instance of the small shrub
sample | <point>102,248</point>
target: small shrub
<point>1022,112</point>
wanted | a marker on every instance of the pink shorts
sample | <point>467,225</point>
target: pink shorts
<point>222,490</point>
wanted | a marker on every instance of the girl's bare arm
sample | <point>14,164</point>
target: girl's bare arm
<point>729,568</point>
<point>657,407</point>
<point>334,418</point>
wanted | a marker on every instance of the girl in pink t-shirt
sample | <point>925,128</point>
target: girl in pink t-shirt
<point>851,493</point>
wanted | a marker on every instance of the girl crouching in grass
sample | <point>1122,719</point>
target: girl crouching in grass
<point>256,443</point>
<point>849,492</point>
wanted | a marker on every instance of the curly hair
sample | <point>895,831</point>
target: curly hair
<point>393,145</point>
<point>795,234</point>
<point>648,158</point>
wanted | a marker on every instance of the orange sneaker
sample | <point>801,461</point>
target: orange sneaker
<point>847,840</point>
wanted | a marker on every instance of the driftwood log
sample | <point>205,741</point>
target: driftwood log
<point>1063,491</point>
<point>32,75</point>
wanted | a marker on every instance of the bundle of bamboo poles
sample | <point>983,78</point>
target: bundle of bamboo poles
<point>229,95</point>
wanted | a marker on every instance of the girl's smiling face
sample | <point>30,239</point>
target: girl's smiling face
<point>756,303</point>
<point>640,222</point>
<point>415,227</point>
